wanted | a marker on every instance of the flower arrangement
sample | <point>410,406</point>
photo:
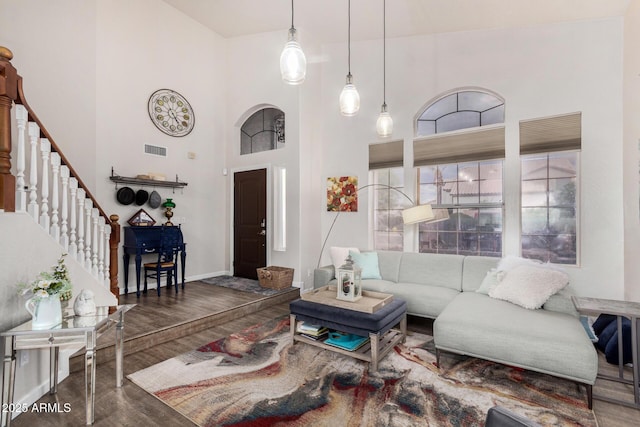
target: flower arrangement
<point>342,194</point>
<point>47,283</point>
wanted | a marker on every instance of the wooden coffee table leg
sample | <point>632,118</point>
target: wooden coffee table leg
<point>403,328</point>
<point>375,350</point>
<point>292,326</point>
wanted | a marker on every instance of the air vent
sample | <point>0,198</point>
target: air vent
<point>155,150</point>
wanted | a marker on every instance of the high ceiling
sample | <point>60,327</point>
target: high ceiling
<point>326,20</point>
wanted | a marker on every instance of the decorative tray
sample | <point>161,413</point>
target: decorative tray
<point>369,303</point>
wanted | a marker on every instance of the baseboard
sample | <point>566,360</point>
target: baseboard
<point>206,276</point>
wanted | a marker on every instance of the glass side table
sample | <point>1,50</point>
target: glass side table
<point>631,310</point>
<point>72,332</point>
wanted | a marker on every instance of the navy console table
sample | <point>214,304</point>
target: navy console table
<point>146,240</point>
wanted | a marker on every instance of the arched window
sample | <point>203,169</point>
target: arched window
<point>262,131</point>
<point>460,173</point>
<point>460,110</point>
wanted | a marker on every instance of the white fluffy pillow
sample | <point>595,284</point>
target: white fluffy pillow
<point>529,286</point>
<point>338,255</point>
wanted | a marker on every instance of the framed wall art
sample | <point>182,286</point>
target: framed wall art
<point>342,194</point>
<point>141,219</point>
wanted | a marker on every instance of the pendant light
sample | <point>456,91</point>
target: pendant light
<point>384,125</point>
<point>293,63</point>
<point>349,98</point>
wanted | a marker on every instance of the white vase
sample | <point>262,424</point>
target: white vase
<point>45,312</point>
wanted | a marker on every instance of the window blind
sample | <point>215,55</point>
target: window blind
<point>386,155</point>
<point>557,133</point>
<point>460,146</point>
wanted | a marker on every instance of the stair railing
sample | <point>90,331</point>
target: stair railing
<point>60,202</point>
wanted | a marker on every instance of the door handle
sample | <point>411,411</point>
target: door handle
<point>262,233</point>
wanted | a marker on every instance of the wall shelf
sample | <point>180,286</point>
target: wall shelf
<point>146,182</point>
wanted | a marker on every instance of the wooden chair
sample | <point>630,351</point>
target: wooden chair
<point>167,262</point>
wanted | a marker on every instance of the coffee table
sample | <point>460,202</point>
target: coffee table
<point>385,328</point>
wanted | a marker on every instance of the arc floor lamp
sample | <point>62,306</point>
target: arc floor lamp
<point>412,215</point>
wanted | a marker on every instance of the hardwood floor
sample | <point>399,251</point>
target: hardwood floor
<point>132,406</point>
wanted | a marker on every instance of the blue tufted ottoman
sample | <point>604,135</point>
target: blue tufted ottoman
<point>379,326</point>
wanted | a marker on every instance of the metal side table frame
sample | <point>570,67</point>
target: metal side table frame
<point>620,309</point>
<point>73,331</point>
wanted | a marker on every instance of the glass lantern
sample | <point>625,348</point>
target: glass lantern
<point>349,281</point>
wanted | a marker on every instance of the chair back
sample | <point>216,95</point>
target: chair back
<point>170,244</point>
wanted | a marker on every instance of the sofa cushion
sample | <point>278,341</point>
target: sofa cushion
<point>541,340</point>
<point>389,263</point>
<point>368,262</point>
<point>432,269</point>
<point>474,271</point>
<point>529,286</point>
<point>561,302</point>
<point>491,280</point>
<point>424,300</point>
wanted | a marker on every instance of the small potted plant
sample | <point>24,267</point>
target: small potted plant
<point>46,293</point>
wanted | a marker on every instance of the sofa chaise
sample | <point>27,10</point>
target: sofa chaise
<point>549,340</point>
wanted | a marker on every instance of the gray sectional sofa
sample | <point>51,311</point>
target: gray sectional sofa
<point>550,340</point>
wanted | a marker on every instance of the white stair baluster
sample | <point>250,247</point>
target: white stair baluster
<point>81,199</point>
<point>100,247</point>
<point>34,136</point>
<point>73,193</point>
<point>95,214</point>
<point>55,196</point>
<point>21,194</point>
<point>107,255</point>
<point>64,211</point>
<point>45,150</point>
<point>88,205</point>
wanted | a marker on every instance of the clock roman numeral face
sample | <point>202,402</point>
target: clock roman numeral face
<point>171,112</point>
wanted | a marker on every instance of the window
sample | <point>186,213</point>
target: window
<point>549,208</point>
<point>263,131</point>
<point>460,110</point>
<point>388,230</point>
<point>467,200</point>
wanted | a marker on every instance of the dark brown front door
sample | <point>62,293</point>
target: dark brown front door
<point>250,222</point>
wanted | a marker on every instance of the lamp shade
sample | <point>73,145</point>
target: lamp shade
<point>349,99</point>
<point>417,214</point>
<point>384,125</point>
<point>293,63</point>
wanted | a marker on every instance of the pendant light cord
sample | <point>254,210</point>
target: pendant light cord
<point>349,39</point>
<point>384,52</point>
<point>292,14</point>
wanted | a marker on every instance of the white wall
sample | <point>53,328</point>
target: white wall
<point>56,57</point>
<point>253,82</point>
<point>631,147</point>
<point>143,46</point>
<point>540,71</point>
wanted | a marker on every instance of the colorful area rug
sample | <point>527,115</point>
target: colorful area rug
<point>257,378</point>
<point>241,284</point>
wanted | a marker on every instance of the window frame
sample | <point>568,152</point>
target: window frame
<point>373,210</point>
<point>577,216</point>
<point>458,207</point>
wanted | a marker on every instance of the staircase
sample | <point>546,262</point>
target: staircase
<point>37,180</point>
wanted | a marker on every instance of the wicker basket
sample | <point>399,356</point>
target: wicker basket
<point>275,277</point>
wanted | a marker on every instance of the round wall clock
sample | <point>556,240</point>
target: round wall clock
<point>171,112</point>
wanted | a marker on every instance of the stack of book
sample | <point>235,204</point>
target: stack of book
<point>344,341</point>
<point>315,332</point>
